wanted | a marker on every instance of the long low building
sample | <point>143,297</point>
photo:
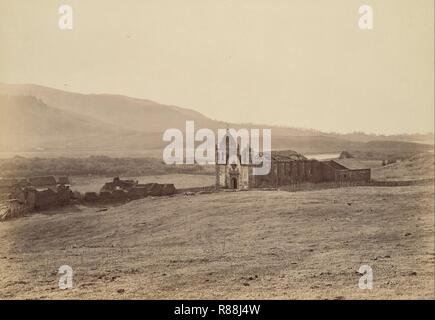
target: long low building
<point>287,168</point>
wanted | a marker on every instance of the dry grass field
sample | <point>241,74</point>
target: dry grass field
<point>253,244</point>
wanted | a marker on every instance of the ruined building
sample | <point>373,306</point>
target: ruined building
<point>119,184</point>
<point>124,190</point>
<point>19,196</point>
<point>288,168</point>
<point>232,173</point>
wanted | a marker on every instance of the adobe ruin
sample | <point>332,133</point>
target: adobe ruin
<point>288,168</point>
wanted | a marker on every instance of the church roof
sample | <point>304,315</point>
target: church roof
<point>42,181</point>
<point>351,164</point>
<point>287,155</point>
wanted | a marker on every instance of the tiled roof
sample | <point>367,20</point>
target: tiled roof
<point>351,164</point>
<point>42,181</point>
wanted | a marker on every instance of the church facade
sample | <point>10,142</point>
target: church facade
<point>231,173</point>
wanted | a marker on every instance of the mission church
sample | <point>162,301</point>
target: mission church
<point>287,168</point>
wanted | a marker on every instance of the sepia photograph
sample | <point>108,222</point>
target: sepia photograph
<point>205,150</point>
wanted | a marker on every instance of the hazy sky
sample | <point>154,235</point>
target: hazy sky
<point>301,63</point>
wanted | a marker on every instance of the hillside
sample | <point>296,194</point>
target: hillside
<point>26,122</point>
<point>29,123</point>
<point>125,112</point>
<point>59,121</point>
<point>420,166</point>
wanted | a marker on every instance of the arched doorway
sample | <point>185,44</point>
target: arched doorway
<point>234,184</point>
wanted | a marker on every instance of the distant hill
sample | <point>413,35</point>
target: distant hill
<point>389,150</point>
<point>40,118</point>
<point>427,138</point>
<point>129,113</point>
<point>420,166</point>
<point>27,123</point>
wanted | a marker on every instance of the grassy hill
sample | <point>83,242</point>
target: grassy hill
<point>125,112</point>
<point>28,123</point>
<point>420,166</point>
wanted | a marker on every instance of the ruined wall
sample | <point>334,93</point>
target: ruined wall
<point>295,172</point>
<point>64,194</point>
<point>46,199</point>
<point>90,197</point>
<point>119,195</point>
<point>360,175</point>
<point>138,191</point>
<point>30,195</point>
<point>289,172</point>
<point>328,172</point>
